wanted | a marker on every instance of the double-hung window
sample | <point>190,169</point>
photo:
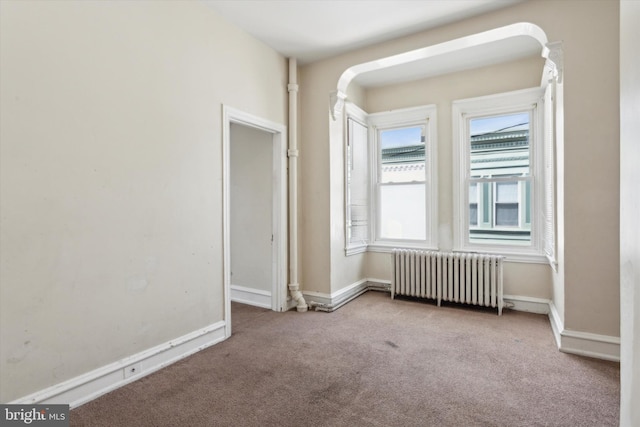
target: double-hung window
<point>498,169</point>
<point>403,178</point>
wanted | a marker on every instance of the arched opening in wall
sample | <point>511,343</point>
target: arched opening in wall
<point>482,120</point>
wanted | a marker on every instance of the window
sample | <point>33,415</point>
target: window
<point>403,178</point>
<point>498,173</point>
<point>357,179</point>
<point>503,177</point>
<point>499,165</point>
<point>401,183</point>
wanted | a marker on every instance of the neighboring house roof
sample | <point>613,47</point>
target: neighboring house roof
<point>493,141</point>
<point>500,139</point>
<point>408,153</point>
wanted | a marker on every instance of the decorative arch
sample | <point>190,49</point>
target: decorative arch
<point>551,51</point>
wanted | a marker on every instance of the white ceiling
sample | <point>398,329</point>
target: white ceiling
<point>310,30</point>
<point>495,52</point>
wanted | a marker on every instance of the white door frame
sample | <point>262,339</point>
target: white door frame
<point>279,248</point>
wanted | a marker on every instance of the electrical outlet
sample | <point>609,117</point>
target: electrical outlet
<point>132,370</point>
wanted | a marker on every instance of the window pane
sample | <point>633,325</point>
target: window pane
<point>358,226</point>
<point>403,212</point>
<point>507,192</point>
<point>486,203</point>
<point>473,193</point>
<point>473,204</point>
<point>499,145</point>
<point>473,214</point>
<point>507,214</point>
<point>403,154</point>
<point>509,225</point>
<point>357,179</point>
<point>527,203</point>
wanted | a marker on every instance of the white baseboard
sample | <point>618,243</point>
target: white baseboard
<point>591,345</point>
<point>93,384</point>
<point>250,296</point>
<point>329,302</point>
<point>557,325</point>
<point>587,344</point>
<point>528,304</point>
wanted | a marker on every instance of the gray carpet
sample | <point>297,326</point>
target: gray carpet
<point>373,362</point>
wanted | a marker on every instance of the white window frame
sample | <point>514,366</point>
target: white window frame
<point>357,115</point>
<point>548,211</point>
<point>499,104</point>
<point>406,117</point>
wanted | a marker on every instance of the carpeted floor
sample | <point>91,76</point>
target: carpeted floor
<point>373,362</point>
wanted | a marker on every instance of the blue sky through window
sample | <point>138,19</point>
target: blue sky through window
<point>401,137</point>
<point>484,125</point>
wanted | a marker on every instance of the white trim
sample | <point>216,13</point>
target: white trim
<point>250,296</point>
<point>528,304</point>
<point>280,219</point>
<point>557,325</point>
<point>93,384</point>
<point>329,302</point>
<point>280,207</point>
<point>484,38</point>
<point>389,247</point>
<point>586,344</point>
<point>359,116</point>
<point>356,250</point>
<point>591,345</point>
<point>548,209</point>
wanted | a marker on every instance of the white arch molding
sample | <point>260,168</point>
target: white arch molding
<point>487,41</point>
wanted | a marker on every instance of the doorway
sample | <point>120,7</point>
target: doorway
<point>255,223</point>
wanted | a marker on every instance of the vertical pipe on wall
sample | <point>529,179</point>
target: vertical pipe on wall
<point>292,87</point>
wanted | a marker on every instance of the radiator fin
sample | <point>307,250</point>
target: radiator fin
<point>468,278</point>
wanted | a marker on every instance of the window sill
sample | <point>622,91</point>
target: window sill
<point>388,248</point>
<point>510,254</point>
<point>355,250</point>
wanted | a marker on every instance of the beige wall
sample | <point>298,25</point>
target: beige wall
<point>630,206</point>
<point>111,177</point>
<point>589,246</point>
<point>313,176</point>
<point>592,200</point>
